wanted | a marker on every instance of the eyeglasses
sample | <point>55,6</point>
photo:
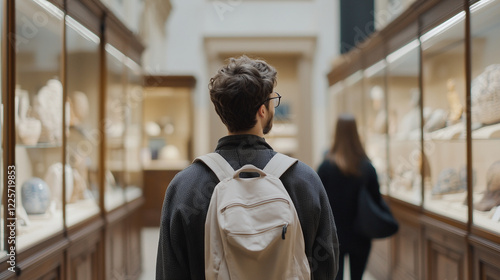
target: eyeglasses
<point>276,100</point>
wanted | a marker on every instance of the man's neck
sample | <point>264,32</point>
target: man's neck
<point>253,131</point>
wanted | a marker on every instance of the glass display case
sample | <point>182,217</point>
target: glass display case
<point>284,137</point>
<point>39,122</point>
<point>444,114</point>
<point>485,113</point>
<point>115,110</point>
<point>376,120</point>
<point>404,123</point>
<point>167,127</point>
<point>442,95</point>
<point>133,131</point>
<point>83,135</point>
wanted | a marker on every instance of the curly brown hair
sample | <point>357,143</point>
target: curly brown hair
<point>239,89</point>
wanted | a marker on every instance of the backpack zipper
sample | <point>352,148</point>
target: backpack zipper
<point>284,228</point>
<point>283,232</point>
<point>254,204</point>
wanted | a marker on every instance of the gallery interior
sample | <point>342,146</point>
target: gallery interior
<point>103,102</point>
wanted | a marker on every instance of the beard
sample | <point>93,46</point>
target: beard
<point>269,125</point>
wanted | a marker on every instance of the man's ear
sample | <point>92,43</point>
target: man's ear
<point>262,111</point>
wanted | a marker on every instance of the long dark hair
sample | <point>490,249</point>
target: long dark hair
<point>347,151</point>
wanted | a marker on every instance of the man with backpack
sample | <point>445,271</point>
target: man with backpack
<point>245,211</point>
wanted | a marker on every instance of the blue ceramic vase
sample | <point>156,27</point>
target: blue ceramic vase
<point>35,195</point>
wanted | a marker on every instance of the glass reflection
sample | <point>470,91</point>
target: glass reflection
<point>115,129</point>
<point>404,125</point>
<point>485,113</point>
<point>39,122</point>
<point>83,137</point>
<point>376,120</point>
<point>444,116</point>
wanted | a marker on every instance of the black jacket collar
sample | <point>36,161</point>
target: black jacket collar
<point>243,141</point>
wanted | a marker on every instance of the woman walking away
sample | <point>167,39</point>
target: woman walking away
<point>345,169</point>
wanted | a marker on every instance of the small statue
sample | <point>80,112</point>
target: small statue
<point>456,108</point>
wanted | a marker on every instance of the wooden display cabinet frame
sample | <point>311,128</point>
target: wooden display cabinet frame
<point>427,244</point>
<point>81,251</point>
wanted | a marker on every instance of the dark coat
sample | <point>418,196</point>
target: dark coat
<point>181,244</point>
<point>342,193</point>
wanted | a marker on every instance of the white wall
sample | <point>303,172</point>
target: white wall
<point>182,50</point>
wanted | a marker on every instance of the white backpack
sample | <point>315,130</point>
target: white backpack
<point>252,230</point>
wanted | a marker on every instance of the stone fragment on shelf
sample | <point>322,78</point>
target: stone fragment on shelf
<point>48,108</point>
<point>437,120</point>
<point>29,130</point>
<point>490,199</point>
<point>448,182</point>
<point>54,178</point>
<point>485,96</point>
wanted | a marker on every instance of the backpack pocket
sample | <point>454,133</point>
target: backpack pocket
<point>259,255</point>
<point>256,217</point>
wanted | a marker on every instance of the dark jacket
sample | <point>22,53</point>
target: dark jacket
<point>342,193</point>
<point>181,244</point>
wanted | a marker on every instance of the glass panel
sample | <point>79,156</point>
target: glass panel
<point>83,137</point>
<point>387,10</point>
<point>336,104</point>
<point>167,126</point>
<point>404,123</point>
<point>485,113</point>
<point>39,121</point>
<point>354,101</point>
<point>376,120</point>
<point>115,129</point>
<point>444,114</point>
<point>2,236</point>
<point>133,137</point>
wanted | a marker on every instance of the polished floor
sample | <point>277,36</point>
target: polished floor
<point>149,248</point>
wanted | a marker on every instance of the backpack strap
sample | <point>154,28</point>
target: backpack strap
<point>218,164</point>
<point>279,164</point>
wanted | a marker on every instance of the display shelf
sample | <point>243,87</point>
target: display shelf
<point>40,145</point>
<point>81,210</point>
<point>488,220</point>
<point>133,192</point>
<point>40,227</point>
<point>449,205</point>
<point>489,132</point>
<point>114,198</point>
